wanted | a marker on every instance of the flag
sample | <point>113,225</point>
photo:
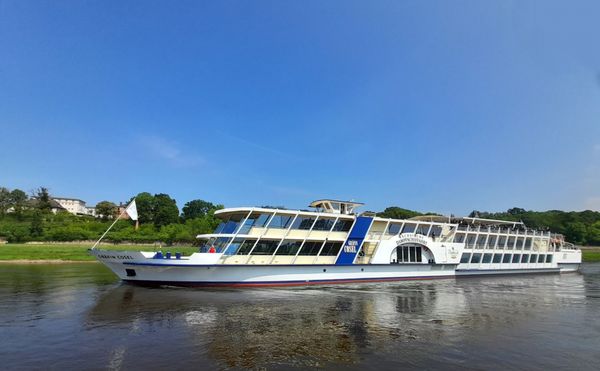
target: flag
<point>131,210</point>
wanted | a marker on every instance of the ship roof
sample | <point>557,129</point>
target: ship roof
<point>463,219</point>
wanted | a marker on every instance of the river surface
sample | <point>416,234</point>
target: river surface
<point>79,316</point>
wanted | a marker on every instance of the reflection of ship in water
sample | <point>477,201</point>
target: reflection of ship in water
<point>307,327</point>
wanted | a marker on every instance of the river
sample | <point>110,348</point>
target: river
<point>79,316</point>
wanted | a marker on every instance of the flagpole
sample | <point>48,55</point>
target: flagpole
<point>112,225</point>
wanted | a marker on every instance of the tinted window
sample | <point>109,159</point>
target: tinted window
<point>506,258</point>
<point>541,258</point>
<point>548,258</point>
<point>465,257</point>
<point>497,258</point>
<point>303,222</point>
<point>528,244</point>
<point>342,225</point>
<point>289,247</point>
<point>234,246</point>
<point>533,258</point>
<point>423,229</point>
<point>265,247</point>
<point>510,243</point>
<point>525,258</point>
<point>459,237</point>
<point>394,228</point>
<point>311,248</point>
<point>501,242</point>
<point>281,221</point>
<point>487,258</point>
<point>246,247</point>
<point>471,240</point>
<point>476,258</point>
<point>481,241</point>
<point>409,228</point>
<point>519,245</point>
<point>323,224</point>
<point>331,249</point>
<point>516,258</point>
<point>491,242</point>
<point>254,220</point>
<point>436,231</point>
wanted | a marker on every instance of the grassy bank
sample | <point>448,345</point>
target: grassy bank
<point>73,252</point>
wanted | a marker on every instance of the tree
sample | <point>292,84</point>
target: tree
<point>576,233</point>
<point>145,207</point>
<point>18,199</point>
<point>165,210</point>
<point>36,229</point>
<point>43,199</point>
<point>395,212</point>
<point>4,200</point>
<point>106,210</point>
<point>197,209</point>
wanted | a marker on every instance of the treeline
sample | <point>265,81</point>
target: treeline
<point>24,219</point>
<point>578,227</point>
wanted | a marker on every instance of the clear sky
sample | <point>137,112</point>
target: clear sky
<point>444,106</point>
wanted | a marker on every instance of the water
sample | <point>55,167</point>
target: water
<point>78,316</point>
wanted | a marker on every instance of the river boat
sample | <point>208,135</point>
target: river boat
<point>333,243</point>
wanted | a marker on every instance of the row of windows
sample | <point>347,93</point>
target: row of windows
<point>240,246</point>
<point>505,258</point>
<point>408,254</point>
<point>424,229</point>
<point>282,221</point>
<point>485,241</point>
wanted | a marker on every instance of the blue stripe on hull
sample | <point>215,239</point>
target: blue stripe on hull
<point>279,283</point>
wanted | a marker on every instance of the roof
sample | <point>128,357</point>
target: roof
<point>67,198</point>
<point>469,220</point>
<point>318,202</point>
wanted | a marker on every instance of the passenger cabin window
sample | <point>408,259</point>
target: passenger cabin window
<point>525,258</point>
<point>303,222</point>
<point>516,258</point>
<point>497,258</point>
<point>409,228</point>
<point>342,225</point>
<point>481,241</point>
<point>436,231</point>
<point>246,247</point>
<point>465,257</point>
<point>289,247</point>
<point>519,245</point>
<point>311,248</point>
<point>257,220</point>
<point>506,258</point>
<point>548,258</point>
<point>234,246</point>
<point>541,258</point>
<point>459,237</point>
<point>501,242</point>
<point>323,224</point>
<point>265,247</point>
<point>491,242</point>
<point>331,249</point>
<point>533,258</point>
<point>471,240</point>
<point>394,228</point>
<point>231,225</point>
<point>423,229</point>
<point>409,254</point>
<point>527,244</point>
<point>487,258</point>
<point>511,243</point>
<point>476,258</point>
<point>281,221</point>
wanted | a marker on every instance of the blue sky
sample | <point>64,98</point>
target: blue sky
<point>444,106</point>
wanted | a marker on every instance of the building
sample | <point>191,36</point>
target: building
<point>75,206</point>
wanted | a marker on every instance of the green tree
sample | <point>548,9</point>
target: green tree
<point>576,232</point>
<point>197,209</point>
<point>106,210</point>
<point>145,207</point>
<point>5,202</point>
<point>36,229</point>
<point>395,212</point>
<point>165,210</point>
<point>43,199</point>
<point>18,198</point>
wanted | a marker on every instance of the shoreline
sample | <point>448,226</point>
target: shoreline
<point>45,261</point>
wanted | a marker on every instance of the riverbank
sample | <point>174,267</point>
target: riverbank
<point>59,253</point>
<point>64,253</point>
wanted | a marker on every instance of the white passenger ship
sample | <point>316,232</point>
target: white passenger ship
<point>334,244</point>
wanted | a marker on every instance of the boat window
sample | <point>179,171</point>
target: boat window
<point>511,242</point>
<point>549,258</point>
<point>476,258</point>
<point>435,231</point>
<point>281,221</point>
<point>394,228</point>
<point>311,248</point>
<point>516,258</point>
<point>257,220</point>
<point>481,241</point>
<point>234,246</point>
<point>303,222</point>
<point>533,258</point>
<point>497,258</point>
<point>491,241</point>
<point>342,225</point>
<point>331,248</point>
<point>206,245</point>
<point>541,258</point>
<point>525,258</point>
<point>409,254</point>
<point>465,257</point>
<point>528,244</point>
<point>519,245</point>
<point>409,228</point>
<point>289,247</point>
<point>220,244</point>
<point>506,258</point>
<point>459,237</point>
<point>246,247</point>
<point>487,258</point>
<point>501,242</point>
<point>471,240</point>
<point>423,229</point>
<point>231,225</point>
<point>323,224</point>
<point>265,247</point>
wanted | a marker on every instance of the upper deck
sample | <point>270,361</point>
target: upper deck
<point>259,235</point>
